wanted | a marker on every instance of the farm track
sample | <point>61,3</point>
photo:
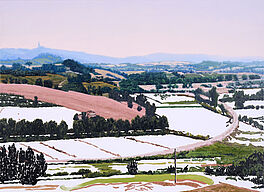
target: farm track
<point>103,106</point>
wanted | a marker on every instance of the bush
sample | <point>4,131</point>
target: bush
<point>61,173</point>
<point>139,108</point>
<point>82,172</point>
<point>132,167</point>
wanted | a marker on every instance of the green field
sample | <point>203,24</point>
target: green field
<point>180,102</point>
<point>140,178</point>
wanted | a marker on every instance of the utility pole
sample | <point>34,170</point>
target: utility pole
<point>175,172</point>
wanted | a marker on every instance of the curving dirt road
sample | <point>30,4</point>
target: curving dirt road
<point>221,137</point>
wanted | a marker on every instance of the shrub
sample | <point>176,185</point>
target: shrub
<point>132,167</point>
<point>139,108</point>
<point>61,173</point>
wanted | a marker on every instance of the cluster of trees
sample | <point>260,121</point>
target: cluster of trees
<point>212,96</point>
<point>240,97</point>
<point>250,121</point>
<point>140,99</point>
<point>158,78</point>
<point>251,166</point>
<point>46,83</point>
<point>74,86</point>
<point>21,165</point>
<point>77,67</point>
<point>19,70</point>
<point>21,101</point>
<point>247,84</point>
<point>93,90</point>
<point>254,77</point>
<point>51,68</point>
<point>99,126</point>
<point>11,130</point>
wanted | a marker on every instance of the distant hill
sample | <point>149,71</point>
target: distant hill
<point>42,58</point>
<point>26,54</point>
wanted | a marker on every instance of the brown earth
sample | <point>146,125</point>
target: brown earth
<point>222,187</point>
<point>140,186</point>
<point>103,106</point>
<point>38,187</point>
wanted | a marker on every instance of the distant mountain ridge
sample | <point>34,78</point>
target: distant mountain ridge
<point>14,54</point>
<point>42,58</point>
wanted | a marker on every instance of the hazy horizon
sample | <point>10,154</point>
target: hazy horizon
<point>117,28</point>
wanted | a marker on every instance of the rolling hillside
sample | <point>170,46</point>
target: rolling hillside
<point>103,106</point>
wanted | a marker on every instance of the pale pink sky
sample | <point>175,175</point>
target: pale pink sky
<point>136,27</point>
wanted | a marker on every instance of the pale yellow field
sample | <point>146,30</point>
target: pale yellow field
<point>132,72</point>
<point>104,73</point>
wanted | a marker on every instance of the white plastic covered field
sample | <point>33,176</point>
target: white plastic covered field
<point>153,98</point>
<point>45,113</point>
<point>196,121</point>
<point>103,148</point>
<point>171,141</point>
<point>123,147</point>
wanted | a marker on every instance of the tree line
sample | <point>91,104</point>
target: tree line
<point>99,126</point>
<point>250,121</point>
<point>158,78</point>
<point>239,97</point>
<point>23,130</point>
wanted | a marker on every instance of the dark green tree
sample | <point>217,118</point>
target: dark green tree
<point>48,83</point>
<point>132,167</point>
<point>39,82</point>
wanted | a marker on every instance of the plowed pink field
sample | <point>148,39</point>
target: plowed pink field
<point>103,106</point>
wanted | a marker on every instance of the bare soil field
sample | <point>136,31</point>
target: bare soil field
<point>222,187</point>
<point>103,106</point>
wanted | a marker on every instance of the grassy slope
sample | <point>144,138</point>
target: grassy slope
<point>56,79</point>
<point>105,72</point>
<point>97,84</point>
<point>140,178</point>
<point>230,152</point>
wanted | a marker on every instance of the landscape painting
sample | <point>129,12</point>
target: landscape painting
<point>128,96</point>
